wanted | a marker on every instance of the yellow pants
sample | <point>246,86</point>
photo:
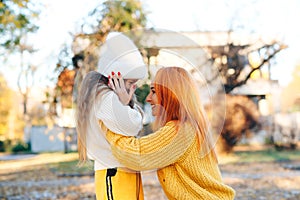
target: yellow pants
<point>118,185</point>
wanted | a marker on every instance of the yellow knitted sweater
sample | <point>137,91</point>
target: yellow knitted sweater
<point>175,153</point>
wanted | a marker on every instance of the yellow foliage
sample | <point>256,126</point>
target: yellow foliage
<point>291,92</point>
<point>5,105</point>
<point>254,60</point>
<point>255,74</point>
<point>258,74</point>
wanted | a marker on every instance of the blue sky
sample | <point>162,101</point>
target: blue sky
<point>265,17</point>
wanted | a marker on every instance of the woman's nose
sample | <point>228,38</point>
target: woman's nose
<point>148,98</point>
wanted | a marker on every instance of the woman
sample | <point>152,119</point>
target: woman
<point>96,101</point>
<point>180,149</point>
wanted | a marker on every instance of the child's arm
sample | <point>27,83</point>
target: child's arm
<point>119,118</point>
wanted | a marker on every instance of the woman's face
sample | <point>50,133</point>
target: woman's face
<point>152,99</point>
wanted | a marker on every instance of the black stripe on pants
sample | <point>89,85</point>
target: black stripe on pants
<point>109,174</point>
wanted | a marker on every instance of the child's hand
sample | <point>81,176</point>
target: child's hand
<point>116,82</point>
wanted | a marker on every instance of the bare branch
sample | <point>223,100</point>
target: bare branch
<point>229,88</point>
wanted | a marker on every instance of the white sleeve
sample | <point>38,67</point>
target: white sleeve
<point>117,117</point>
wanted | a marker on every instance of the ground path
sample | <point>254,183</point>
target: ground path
<point>29,178</point>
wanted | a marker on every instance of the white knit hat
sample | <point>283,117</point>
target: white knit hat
<point>119,54</point>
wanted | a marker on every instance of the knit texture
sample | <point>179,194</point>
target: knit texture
<point>182,173</point>
<point>117,117</point>
<point>120,54</point>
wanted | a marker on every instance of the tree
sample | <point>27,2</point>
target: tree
<point>16,18</point>
<point>17,21</point>
<point>236,67</point>
<point>65,86</point>
<point>233,60</point>
<point>291,93</point>
<point>5,106</point>
<point>25,76</point>
<point>142,92</point>
<point>242,116</point>
<point>109,16</point>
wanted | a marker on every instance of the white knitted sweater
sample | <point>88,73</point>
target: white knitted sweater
<point>116,117</point>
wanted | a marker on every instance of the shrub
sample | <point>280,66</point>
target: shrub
<point>2,147</point>
<point>20,147</point>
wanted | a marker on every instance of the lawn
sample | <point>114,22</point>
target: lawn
<point>265,155</point>
<point>254,174</point>
<point>71,167</point>
<point>61,163</point>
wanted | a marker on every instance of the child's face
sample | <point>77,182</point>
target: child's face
<point>129,83</point>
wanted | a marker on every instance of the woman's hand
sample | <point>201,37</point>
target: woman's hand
<point>116,82</point>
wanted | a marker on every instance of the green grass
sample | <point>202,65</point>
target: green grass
<point>67,164</point>
<point>71,168</point>
<point>268,155</point>
<point>57,162</point>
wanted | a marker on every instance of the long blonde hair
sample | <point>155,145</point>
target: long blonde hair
<point>92,85</point>
<point>179,97</point>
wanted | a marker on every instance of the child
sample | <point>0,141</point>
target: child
<point>96,101</point>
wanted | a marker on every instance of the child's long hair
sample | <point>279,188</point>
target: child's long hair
<point>92,85</point>
<point>179,97</point>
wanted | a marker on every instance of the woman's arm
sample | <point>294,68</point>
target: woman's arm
<point>119,118</point>
<point>156,150</point>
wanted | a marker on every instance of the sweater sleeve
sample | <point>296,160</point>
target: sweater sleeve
<point>117,117</point>
<point>156,150</point>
